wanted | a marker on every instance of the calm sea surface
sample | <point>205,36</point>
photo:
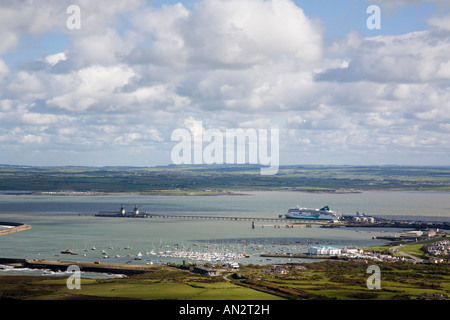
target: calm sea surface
<point>67,222</point>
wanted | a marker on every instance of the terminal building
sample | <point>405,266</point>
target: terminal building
<point>324,250</point>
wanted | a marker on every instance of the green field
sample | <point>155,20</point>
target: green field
<point>215,179</point>
<point>164,283</point>
<point>332,280</point>
<point>327,280</point>
<point>414,249</point>
<point>154,291</point>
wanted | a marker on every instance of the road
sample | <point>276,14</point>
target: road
<point>396,249</point>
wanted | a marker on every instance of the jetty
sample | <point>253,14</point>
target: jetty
<point>59,265</point>
<point>12,227</point>
<point>303,256</point>
<point>234,218</point>
<point>137,214</point>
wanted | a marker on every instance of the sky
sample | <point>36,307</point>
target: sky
<point>109,84</point>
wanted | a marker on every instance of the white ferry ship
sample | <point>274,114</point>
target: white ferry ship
<point>312,214</point>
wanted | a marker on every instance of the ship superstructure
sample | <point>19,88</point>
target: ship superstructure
<point>123,213</point>
<point>312,214</point>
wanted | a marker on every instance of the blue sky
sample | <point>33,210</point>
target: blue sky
<point>338,17</point>
<point>339,92</point>
<point>342,16</point>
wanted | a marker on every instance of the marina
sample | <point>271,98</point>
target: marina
<point>12,227</point>
<point>225,218</point>
<point>218,229</point>
<point>307,216</point>
<point>293,218</point>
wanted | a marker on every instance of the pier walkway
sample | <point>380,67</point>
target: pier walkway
<point>231,218</point>
<point>202,217</point>
<point>13,227</point>
<point>223,218</point>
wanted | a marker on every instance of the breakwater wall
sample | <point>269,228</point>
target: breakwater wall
<point>13,227</point>
<point>57,265</point>
<point>302,256</point>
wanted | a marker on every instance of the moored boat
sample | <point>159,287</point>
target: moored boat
<point>312,214</point>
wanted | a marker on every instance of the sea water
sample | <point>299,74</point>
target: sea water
<point>68,222</point>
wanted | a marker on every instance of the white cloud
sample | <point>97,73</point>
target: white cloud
<point>39,119</point>
<point>412,57</point>
<point>90,87</point>
<point>23,17</point>
<point>4,70</point>
<point>30,138</point>
<point>125,85</point>
<point>102,48</point>
<point>393,4</point>
<point>8,40</point>
<point>442,23</point>
<point>26,86</point>
<point>444,70</point>
<point>55,58</point>
<point>223,33</point>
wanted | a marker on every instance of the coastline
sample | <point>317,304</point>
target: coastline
<point>207,193</point>
<point>13,227</point>
<point>191,193</point>
<point>59,265</point>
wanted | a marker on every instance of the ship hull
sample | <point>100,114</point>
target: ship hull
<point>310,217</point>
<point>311,214</point>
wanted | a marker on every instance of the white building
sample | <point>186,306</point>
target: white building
<point>232,264</point>
<point>277,269</point>
<point>351,250</point>
<point>412,234</point>
<point>324,250</point>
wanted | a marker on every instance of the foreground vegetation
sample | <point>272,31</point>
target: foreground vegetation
<point>332,280</point>
<point>215,179</point>
<point>397,249</point>
<point>164,283</point>
<point>327,280</point>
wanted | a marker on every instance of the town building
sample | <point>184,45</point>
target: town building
<point>351,250</point>
<point>324,250</point>
<point>205,271</point>
<point>232,265</point>
<point>412,234</point>
<point>277,270</point>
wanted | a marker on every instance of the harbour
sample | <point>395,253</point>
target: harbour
<point>12,227</point>
<point>203,217</point>
<point>202,229</point>
<point>61,265</point>
<point>356,220</point>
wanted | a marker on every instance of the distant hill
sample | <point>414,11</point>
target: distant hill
<point>176,179</point>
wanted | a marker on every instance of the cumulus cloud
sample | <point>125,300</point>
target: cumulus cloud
<point>4,70</point>
<point>53,59</point>
<point>442,23</point>
<point>133,73</point>
<point>228,33</point>
<point>90,87</point>
<point>393,4</point>
<point>412,57</point>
